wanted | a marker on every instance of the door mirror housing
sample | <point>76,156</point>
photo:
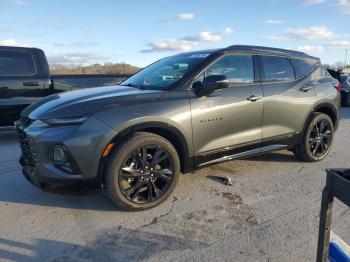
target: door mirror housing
<point>215,82</point>
<point>210,84</point>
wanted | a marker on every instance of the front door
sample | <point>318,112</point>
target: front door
<point>229,120</point>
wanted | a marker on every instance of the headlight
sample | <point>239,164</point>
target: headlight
<point>65,121</point>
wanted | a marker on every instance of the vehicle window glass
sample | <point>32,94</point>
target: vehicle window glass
<point>19,63</point>
<point>301,67</point>
<point>165,72</point>
<point>237,68</point>
<point>277,68</point>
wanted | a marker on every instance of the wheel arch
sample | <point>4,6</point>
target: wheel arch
<point>325,108</point>
<point>329,110</point>
<point>169,132</point>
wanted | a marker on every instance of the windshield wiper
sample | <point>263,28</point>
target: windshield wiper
<point>133,85</point>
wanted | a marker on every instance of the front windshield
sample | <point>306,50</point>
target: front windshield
<point>165,72</point>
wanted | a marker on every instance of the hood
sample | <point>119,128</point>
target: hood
<point>88,101</point>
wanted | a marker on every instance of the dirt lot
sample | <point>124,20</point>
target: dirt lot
<point>270,214</point>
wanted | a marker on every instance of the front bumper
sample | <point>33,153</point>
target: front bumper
<point>85,145</point>
<point>42,181</point>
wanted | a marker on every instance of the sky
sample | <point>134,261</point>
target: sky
<point>139,32</point>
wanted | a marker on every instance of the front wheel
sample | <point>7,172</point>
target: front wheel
<point>317,139</point>
<point>142,171</point>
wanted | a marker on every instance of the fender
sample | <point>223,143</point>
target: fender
<point>169,132</point>
<point>335,116</point>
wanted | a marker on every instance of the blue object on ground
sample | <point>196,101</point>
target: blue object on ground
<point>336,254</point>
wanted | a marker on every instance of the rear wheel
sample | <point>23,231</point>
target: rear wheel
<point>317,139</point>
<point>142,171</point>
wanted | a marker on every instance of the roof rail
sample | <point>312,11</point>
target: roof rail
<point>263,48</point>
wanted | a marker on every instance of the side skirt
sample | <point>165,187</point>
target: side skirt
<point>245,151</point>
<point>246,154</point>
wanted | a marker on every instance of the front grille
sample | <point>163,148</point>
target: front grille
<point>27,144</point>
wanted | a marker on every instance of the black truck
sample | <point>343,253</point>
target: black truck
<point>25,77</point>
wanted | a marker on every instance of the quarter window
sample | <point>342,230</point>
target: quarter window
<point>301,67</point>
<point>277,68</point>
<point>19,63</point>
<point>237,68</point>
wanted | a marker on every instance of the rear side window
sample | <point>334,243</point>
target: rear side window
<point>237,68</point>
<point>16,63</point>
<point>301,67</point>
<point>277,68</point>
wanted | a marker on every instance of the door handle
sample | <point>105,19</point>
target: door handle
<point>306,88</point>
<point>254,98</point>
<point>31,83</point>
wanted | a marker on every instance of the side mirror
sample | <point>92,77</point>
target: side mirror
<point>210,84</point>
<point>215,82</point>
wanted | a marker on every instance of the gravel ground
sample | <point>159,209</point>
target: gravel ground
<point>270,213</point>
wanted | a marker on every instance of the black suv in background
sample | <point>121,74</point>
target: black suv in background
<point>345,89</point>
<point>179,114</point>
<point>25,78</point>
<point>344,80</point>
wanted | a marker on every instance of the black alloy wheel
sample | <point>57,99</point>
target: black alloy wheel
<point>146,174</point>
<point>142,171</point>
<point>320,138</point>
<point>317,139</point>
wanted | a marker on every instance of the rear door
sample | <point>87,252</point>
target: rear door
<point>228,121</point>
<point>288,97</point>
<point>20,83</point>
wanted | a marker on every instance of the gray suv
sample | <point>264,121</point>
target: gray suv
<point>179,114</point>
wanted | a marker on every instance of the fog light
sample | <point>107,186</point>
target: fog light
<point>59,154</point>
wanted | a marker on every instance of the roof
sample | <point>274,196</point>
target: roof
<point>273,51</point>
<point>255,49</point>
<point>18,48</point>
<point>263,49</point>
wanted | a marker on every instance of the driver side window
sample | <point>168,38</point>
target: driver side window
<point>237,68</point>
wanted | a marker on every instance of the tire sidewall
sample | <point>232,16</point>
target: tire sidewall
<point>123,152</point>
<point>317,118</point>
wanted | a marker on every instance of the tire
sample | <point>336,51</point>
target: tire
<point>133,176</point>
<point>314,136</point>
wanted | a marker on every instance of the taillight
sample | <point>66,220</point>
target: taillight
<point>337,86</point>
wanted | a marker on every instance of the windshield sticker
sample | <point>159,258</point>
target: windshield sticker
<point>199,56</point>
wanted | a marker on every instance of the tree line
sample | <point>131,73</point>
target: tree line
<point>107,68</point>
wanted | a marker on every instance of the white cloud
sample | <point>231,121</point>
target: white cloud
<point>11,42</point>
<point>228,30</point>
<point>182,16</point>
<point>185,16</point>
<point>311,48</point>
<point>311,33</point>
<point>344,6</point>
<point>77,44</point>
<point>339,44</point>
<point>20,2</point>
<point>16,2</point>
<point>279,37</point>
<point>169,44</point>
<point>314,2</point>
<point>76,58</point>
<point>274,21</point>
<point>204,37</point>
<point>186,43</point>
